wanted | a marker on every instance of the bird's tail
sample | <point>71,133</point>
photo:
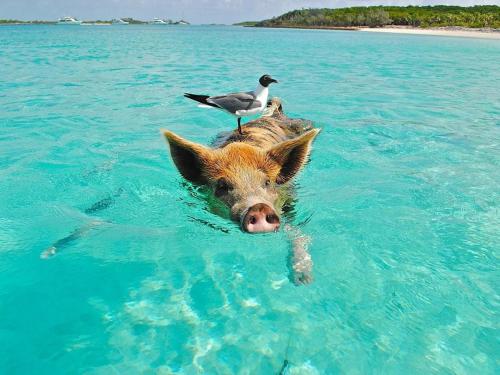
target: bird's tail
<point>200,99</point>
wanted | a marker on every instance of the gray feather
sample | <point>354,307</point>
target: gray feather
<point>235,102</point>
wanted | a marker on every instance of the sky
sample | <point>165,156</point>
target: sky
<point>194,11</point>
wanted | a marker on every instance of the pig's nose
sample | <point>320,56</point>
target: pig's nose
<point>261,218</point>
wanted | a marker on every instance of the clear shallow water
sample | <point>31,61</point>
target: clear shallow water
<point>402,193</point>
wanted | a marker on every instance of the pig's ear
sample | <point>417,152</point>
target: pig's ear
<point>190,158</point>
<point>292,155</point>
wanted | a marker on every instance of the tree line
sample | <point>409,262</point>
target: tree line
<point>481,16</point>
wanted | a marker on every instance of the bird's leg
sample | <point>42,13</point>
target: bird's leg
<point>239,126</point>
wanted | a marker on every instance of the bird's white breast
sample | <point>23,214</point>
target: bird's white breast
<point>249,112</point>
<point>261,93</point>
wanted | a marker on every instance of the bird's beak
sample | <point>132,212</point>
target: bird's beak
<point>273,80</point>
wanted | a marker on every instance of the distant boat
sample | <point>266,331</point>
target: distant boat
<point>68,21</point>
<point>157,21</point>
<point>119,22</point>
<point>182,22</point>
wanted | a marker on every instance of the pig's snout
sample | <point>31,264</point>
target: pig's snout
<point>260,218</point>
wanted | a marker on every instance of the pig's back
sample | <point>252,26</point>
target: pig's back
<point>266,131</point>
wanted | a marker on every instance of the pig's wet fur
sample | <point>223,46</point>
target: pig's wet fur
<point>248,169</point>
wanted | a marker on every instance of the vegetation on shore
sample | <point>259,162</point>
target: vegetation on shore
<point>246,23</point>
<point>35,22</point>
<point>485,16</point>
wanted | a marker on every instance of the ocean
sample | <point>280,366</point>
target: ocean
<point>400,199</point>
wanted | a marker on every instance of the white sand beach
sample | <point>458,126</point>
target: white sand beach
<point>468,33</point>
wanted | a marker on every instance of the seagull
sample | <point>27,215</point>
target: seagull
<point>239,104</point>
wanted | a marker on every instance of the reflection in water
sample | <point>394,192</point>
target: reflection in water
<point>98,206</point>
<point>57,246</point>
<point>209,224</point>
<point>104,203</point>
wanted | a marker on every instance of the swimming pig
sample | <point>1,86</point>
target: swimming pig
<point>249,172</point>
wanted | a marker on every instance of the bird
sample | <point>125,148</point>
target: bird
<point>239,104</point>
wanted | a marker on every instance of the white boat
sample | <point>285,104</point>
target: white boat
<point>68,21</point>
<point>119,22</point>
<point>157,21</point>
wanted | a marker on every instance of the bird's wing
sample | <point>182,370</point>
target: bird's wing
<point>235,102</point>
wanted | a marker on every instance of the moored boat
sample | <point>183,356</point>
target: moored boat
<point>158,21</point>
<point>119,22</point>
<point>69,21</point>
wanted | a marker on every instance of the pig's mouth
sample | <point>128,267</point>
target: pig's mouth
<point>260,218</point>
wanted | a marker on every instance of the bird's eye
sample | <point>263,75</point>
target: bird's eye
<point>267,183</point>
<point>222,187</point>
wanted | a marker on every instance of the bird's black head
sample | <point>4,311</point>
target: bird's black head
<point>266,80</point>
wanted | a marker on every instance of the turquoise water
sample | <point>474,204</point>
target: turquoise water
<point>400,199</point>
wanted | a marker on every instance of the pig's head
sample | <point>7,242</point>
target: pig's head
<point>247,179</point>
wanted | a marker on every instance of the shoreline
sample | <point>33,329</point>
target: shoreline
<point>445,31</point>
<point>338,28</point>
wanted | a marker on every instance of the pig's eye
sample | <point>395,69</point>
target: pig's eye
<point>222,187</point>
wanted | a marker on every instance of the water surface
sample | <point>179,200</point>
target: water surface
<point>401,200</point>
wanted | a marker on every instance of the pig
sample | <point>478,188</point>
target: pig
<point>251,173</point>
